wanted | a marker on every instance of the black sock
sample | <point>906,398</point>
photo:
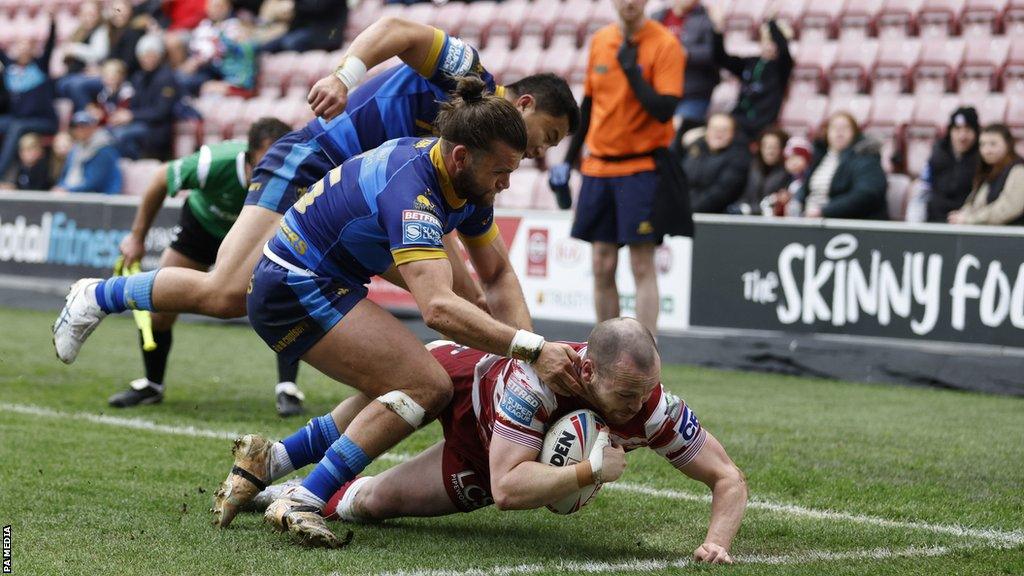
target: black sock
<point>286,372</point>
<point>156,361</point>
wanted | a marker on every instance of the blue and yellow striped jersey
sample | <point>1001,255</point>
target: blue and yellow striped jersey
<point>402,101</point>
<point>390,205</point>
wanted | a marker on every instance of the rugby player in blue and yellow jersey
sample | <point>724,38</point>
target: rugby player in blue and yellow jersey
<point>400,102</point>
<point>307,298</point>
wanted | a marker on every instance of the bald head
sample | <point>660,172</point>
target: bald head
<point>620,339</point>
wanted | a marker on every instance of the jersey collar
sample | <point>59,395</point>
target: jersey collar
<point>442,176</point>
<point>499,91</point>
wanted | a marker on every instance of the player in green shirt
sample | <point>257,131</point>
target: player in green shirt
<point>217,176</point>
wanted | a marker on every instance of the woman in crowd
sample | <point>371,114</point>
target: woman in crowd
<point>998,194</point>
<point>767,173</point>
<point>846,179</point>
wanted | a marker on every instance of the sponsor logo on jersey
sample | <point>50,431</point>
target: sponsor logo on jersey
<point>420,228</point>
<point>290,337</point>
<point>425,142</point>
<point>519,404</point>
<point>254,187</point>
<point>688,425</point>
<point>424,203</point>
<point>469,490</point>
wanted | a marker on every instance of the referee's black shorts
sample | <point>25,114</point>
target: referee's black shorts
<point>193,241</point>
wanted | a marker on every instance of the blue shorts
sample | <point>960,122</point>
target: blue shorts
<point>290,166</point>
<point>292,311</point>
<point>618,210</point>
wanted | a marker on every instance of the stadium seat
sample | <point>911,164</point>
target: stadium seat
<point>984,57</point>
<point>897,18</point>
<point>495,58</point>
<point>803,115</point>
<point>745,16</point>
<point>449,16</point>
<point>929,120</point>
<point>520,192</point>
<point>855,59</point>
<point>525,61</point>
<point>991,106</point>
<point>982,17</point>
<point>936,67</point>
<point>572,19</point>
<point>539,23</point>
<point>508,22</point>
<point>1015,117</point>
<point>603,14</point>
<point>812,62</point>
<point>820,20</point>
<point>560,60</point>
<point>856,104</point>
<point>1012,78</point>
<point>894,65</point>
<point>1013,18</point>
<point>889,114</point>
<point>939,17</point>
<point>137,175</point>
<point>478,16</point>
<point>858,17</point>
<point>188,134</point>
<point>791,12</point>
<point>896,196</point>
<point>277,69</point>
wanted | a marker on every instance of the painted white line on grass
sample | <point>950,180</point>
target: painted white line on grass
<point>645,565</point>
<point>998,537</point>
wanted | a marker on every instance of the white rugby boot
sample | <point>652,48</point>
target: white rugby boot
<point>80,316</point>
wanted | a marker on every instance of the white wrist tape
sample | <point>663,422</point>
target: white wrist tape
<point>525,346</point>
<point>597,455</point>
<point>407,409</point>
<point>351,72</point>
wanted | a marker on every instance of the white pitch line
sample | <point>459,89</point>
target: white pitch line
<point>641,565</point>
<point>994,536</point>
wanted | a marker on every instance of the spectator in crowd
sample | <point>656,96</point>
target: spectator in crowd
<point>763,78</point>
<point>716,166</point>
<point>31,94</point>
<point>998,195</point>
<point>689,21</point>
<point>145,128</point>
<point>125,30</point>
<point>91,164</point>
<point>767,174</point>
<point>115,92</point>
<point>633,85</point>
<point>89,44</point>
<point>846,179</point>
<point>31,171</point>
<point>948,178</point>
<point>222,59</point>
<point>312,25</point>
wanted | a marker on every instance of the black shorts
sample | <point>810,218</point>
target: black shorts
<point>193,241</point>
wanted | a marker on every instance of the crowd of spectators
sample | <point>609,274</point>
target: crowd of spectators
<point>129,70</point>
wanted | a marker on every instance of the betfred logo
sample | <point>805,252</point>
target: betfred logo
<point>537,252</point>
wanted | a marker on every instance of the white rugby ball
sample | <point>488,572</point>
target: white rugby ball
<point>569,441</point>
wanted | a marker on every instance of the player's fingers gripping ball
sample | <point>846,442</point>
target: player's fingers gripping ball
<point>574,438</point>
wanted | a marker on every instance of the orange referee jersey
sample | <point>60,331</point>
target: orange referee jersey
<point>619,125</point>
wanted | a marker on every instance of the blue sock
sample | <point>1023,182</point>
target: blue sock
<point>120,293</point>
<point>311,442</point>
<point>343,462</point>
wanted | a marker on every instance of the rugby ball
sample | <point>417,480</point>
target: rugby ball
<point>569,441</point>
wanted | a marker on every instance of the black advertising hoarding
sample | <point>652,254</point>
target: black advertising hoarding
<point>44,235</point>
<point>921,282</point>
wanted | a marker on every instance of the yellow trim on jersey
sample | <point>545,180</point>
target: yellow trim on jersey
<point>499,90</point>
<point>442,176</point>
<point>483,239</point>
<point>406,255</point>
<point>429,65</point>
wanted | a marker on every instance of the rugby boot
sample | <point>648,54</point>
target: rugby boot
<point>140,391</point>
<point>80,316</point>
<point>289,399</point>
<point>248,477</point>
<point>263,500</point>
<point>304,522</point>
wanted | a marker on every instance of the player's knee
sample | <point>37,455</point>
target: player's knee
<point>642,268</point>
<point>434,392</point>
<point>604,269</point>
<point>227,303</point>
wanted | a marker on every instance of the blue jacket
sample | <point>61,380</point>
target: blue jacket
<point>30,87</point>
<point>92,167</point>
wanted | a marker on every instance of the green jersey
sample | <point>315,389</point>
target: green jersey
<point>216,176</point>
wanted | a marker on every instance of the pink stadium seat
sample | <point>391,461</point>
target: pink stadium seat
<point>821,20</point>
<point>745,16</point>
<point>984,58</point>
<point>991,107</point>
<point>1013,73</point>
<point>449,16</point>
<point>520,192</point>
<point>803,115</point>
<point>791,12</point>
<point>889,114</point>
<point>929,120</point>
<point>360,17</point>
<point>478,16</point>
<point>1015,115</point>
<point>277,69</point>
<point>137,175</point>
<point>936,68</point>
<point>188,134</point>
<point>543,197</point>
<point>939,17</point>
<point>495,58</point>
<point>812,62</point>
<point>896,61</point>
<point>508,21</point>
<point>603,14</point>
<point>572,19</point>
<point>1013,18</point>
<point>982,17</point>
<point>539,22</point>
<point>560,60</point>
<point>897,17</point>
<point>856,104</point>
<point>855,59</point>
<point>896,196</point>
<point>525,61</point>
<point>858,17</point>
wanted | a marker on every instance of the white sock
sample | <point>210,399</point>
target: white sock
<point>303,496</point>
<point>280,463</point>
<point>346,506</point>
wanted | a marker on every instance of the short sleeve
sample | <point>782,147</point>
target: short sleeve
<point>522,412</point>
<point>414,233</point>
<point>479,228</point>
<point>183,174</point>
<point>668,68</point>
<point>673,430</point>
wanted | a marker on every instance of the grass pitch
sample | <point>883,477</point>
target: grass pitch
<point>921,481</point>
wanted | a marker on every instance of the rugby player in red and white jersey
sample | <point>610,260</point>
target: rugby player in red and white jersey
<point>494,429</point>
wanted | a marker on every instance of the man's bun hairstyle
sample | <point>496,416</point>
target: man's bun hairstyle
<point>475,118</point>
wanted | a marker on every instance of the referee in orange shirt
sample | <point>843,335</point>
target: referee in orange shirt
<point>634,82</point>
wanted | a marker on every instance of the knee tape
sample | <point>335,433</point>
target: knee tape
<point>400,403</point>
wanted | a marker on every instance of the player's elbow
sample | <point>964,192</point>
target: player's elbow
<point>734,481</point>
<point>437,314</point>
<point>506,498</point>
